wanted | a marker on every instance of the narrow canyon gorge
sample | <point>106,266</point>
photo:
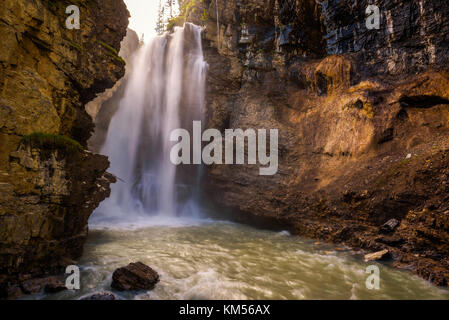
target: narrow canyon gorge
<point>362,116</point>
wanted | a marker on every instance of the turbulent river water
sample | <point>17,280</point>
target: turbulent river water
<point>206,259</point>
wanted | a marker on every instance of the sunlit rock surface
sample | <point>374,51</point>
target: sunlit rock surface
<point>363,119</point>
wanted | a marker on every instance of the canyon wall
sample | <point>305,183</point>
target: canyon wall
<point>105,105</point>
<point>49,183</point>
<point>363,119</point>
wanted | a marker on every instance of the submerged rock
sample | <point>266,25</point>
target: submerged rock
<point>135,276</point>
<point>101,296</point>
<point>379,255</point>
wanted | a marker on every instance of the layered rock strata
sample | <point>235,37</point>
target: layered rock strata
<point>363,119</point>
<point>49,183</point>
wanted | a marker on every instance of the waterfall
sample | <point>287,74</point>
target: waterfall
<point>164,92</point>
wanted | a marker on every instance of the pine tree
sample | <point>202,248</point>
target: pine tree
<point>169,5</point>
<point>160,25</point>
<point>167,11</point>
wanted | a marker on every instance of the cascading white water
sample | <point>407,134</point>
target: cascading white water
<point>164,92</point>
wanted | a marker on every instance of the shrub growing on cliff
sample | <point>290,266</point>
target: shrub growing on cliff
<point>186,8</point>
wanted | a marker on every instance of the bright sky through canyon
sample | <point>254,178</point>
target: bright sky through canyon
<point>143,16</point>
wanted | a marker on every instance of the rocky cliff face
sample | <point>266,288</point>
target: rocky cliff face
<point>104,106</point>
<point>363,120</point>
<point>49,184</point>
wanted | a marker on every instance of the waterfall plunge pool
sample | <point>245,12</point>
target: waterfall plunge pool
<point>207,259</point>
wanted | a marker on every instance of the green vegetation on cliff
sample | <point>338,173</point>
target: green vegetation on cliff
<point>187,7</point>
<point>112,52</point>
<point>46,141</point>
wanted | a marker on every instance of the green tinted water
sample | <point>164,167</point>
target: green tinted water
<point>219,260</point>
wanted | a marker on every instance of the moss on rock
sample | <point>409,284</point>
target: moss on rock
<point>52,142</point>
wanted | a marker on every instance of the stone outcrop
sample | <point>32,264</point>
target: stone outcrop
<point>362,118</point>
<point>412,34</point>
<point>104,106</point>
<point>135,276</point>
<point>49,184</point>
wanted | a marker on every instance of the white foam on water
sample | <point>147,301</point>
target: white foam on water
<point>144,222</point>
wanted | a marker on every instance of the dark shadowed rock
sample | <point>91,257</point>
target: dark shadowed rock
<point>389,226</point>
<point>391,240</point>
<point>32,286</point>
<point>55,286</point>
<point>10,291</point>
<point>101,296</point>
<point>49,284</point>
<point>135,276</point>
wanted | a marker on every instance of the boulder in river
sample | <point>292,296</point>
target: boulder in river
<point>135,276</point>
